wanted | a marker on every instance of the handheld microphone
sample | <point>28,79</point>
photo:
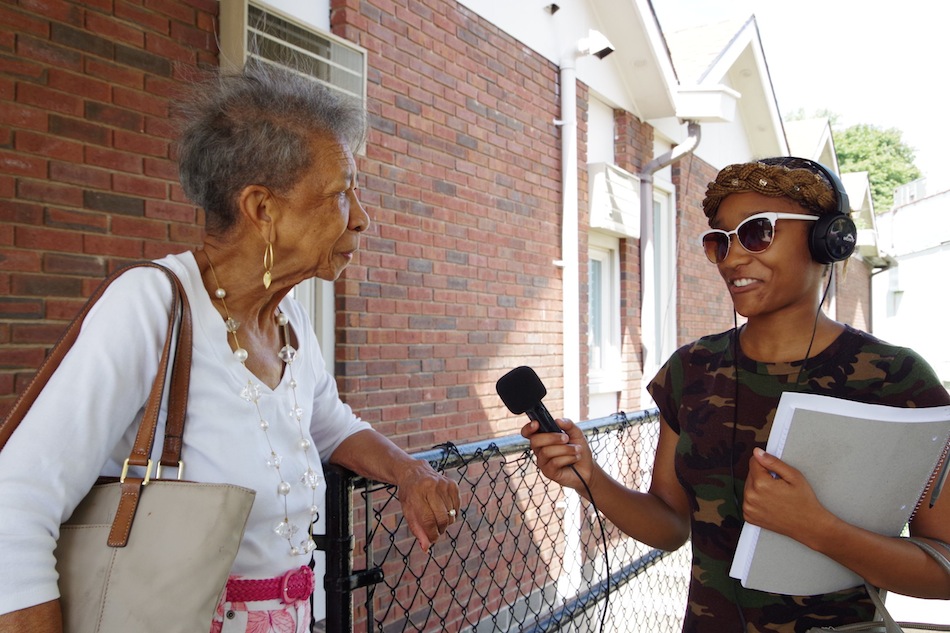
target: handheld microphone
<point>521,390</point>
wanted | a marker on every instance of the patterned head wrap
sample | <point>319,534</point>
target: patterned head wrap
<point>788,177</point>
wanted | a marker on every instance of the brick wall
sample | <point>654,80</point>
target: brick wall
<point>462,178</point>
<point>704,306</point>
<point>853,296</point>
<point>87,179</point>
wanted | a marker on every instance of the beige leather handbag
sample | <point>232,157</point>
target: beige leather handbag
<point>144,553</point>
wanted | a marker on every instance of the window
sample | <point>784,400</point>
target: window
<point>251,30</point>
<point>659,305</point>
<point>603,329</point>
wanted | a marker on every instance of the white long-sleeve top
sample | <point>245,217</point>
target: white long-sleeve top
<point>84,423</point>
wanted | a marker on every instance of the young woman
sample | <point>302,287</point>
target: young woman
<point>717,397</point>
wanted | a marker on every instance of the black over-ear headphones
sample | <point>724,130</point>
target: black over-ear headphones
<point>834,236</point>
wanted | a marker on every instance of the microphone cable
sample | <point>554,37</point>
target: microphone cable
<point>604,542</point>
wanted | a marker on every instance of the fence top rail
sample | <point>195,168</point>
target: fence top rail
<point>448,455</point>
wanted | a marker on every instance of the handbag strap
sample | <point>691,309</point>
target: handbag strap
<point>890,625</point>
<point>145,438</point>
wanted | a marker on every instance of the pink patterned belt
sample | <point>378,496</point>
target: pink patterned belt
<point>295,585</point>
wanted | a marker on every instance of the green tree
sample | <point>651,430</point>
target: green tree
<point>883,154</point>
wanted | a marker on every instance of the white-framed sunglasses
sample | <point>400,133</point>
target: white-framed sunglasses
<point>755,234</point>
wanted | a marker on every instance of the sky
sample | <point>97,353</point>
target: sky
<point>883,64</point>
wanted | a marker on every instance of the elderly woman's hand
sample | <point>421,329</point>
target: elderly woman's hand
<point>430,502</point>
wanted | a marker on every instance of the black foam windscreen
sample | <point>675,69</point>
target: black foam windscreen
<point>520,389</point>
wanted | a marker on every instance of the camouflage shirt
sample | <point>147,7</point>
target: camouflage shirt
<point>697,394</point>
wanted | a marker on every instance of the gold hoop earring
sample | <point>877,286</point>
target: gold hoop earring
<point>268,264</point>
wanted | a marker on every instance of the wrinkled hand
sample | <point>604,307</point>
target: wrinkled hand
<point>556,453</point>
<point>777,497</point>
<point>430,502</point>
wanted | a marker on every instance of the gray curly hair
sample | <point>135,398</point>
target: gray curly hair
<point>784,176</point>
<point>252,127</point>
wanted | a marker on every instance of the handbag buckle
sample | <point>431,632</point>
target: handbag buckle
<point>181,470</point>
<point>125,471</point>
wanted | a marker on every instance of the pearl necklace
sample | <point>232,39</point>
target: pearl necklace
<point>251,392</point>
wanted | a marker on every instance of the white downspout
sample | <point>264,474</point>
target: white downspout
<point>648,290</point>
<point>570,276</point>
<point>571,578</point>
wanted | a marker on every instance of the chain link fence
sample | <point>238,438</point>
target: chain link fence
<point>524,554</point>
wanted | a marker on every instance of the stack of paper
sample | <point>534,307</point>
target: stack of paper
<point>868,464</point>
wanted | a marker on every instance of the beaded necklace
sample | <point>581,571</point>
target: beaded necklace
<point>251,392</point>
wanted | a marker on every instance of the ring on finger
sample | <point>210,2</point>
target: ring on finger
<point>452,513</point>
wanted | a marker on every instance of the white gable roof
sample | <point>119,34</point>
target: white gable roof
<point>730,54</point>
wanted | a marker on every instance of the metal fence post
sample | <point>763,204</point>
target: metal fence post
<point>340,580</point>
<point>339,548</point>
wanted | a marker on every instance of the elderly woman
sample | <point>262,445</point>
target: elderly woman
<point>717,397</point>
<point>269,157</point>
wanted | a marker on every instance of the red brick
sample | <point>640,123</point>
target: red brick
<point>140,143</point>
<point>7,90</point>
<point>115,73</point>
<point>63,308</point>
<point>21,116</point>
<point>13,211</point>
<point>168,48</point>
<point>157,250</point>
<point>192,36</point>
<point>48,192</point>
<point>140,102</point>
<point>192,234</point>
<point>21,22</point>
<point>35,333</point>
<point>160,127</point>
<point>121,117</point>
<point>21,357</point>
<point>84,131</point>
<point>114,246</point>
<point>115,29</point>
<point>20,261</point>
<point>66,264</point>
<point>77,220</point>
<point>137,15</point>
<point>44,52</point>
<point>48,239</point>
<point>79,85</point>
<point>46,285</point>
<point>139,227</point>
<point>139,186</point>
<point>102,6</point>
<point>22,165</point>
<point>79,174</point>
<point>175,10</point>
<point>58,10</point>
<point>170,211</point>
<point>110,159</point>
<point>161,168</point>
<point>47,145</point>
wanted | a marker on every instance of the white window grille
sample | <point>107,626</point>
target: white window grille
<point>249,29</point>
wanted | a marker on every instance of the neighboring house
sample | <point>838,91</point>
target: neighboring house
<point>533,203</point>
<point>910,297</point>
